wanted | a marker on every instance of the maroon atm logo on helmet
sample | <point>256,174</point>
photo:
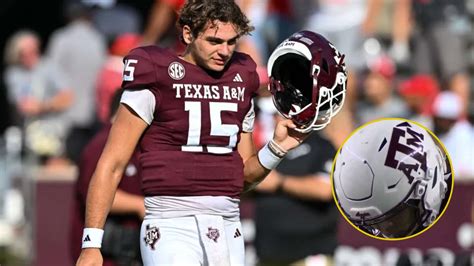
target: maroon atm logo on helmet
<point>408,142</point>
<point>338,57</point>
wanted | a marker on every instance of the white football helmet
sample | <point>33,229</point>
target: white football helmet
<point>307,80</point>
<point>390,178</point>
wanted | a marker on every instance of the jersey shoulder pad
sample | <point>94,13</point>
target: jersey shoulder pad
<point>243,63</point>
<point>244,60</point>
<point>139,69</point>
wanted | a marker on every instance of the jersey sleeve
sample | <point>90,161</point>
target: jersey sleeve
<point>254,82</point>
<point>249,120</point>
<point>142,102</point>
<point>139,71</point>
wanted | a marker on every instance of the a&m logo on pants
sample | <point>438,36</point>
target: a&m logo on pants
<point>152,235</point>
<point>213,233</point>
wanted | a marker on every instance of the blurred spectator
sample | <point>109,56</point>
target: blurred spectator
<point>347,24</point>
<point>160,27</point>
<point>380,100</point>
<point>419,93</point>
<point>121,244</point>
<point>113,18</point>
<point>11,200</point>
<point>79,50</point>
<point>295,216</point>
<point>470,113</point>
<point>284,17</point>
<point>6,113</point>
<point>256,11</point>
<point>456,133</point>
<point>341,127</point>
<point>110,76</point>
<point>274,21</point>
<point>438,46</point>
<point>41,96</point>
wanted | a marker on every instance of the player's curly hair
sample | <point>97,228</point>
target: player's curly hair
<point>197,13</point>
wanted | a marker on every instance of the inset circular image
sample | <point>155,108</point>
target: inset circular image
<point>392,179</point>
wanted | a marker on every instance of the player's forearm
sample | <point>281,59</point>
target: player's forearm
<point>254,172</point>
<point>257,165</point>
<point>100,195</point>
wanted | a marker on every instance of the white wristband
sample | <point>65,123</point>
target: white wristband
<point>92,238</point>
<point>267,158</point>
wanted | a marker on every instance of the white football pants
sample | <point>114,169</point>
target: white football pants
<point>192,240</point>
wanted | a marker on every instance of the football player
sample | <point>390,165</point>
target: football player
<point>192,117</point>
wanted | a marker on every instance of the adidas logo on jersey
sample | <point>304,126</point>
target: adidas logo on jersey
<point>87,238</point>
<point>237,233</point>
<point>238,78</point>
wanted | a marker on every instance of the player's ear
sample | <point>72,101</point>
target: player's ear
<point>187,34</point>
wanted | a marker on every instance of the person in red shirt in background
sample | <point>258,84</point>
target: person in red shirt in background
<point>110,76</point>
<point>121,244</point>
<point>419,92</point>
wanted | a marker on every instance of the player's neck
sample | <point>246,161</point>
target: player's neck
<point>188,57</point>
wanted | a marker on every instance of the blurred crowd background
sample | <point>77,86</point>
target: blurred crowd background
<point>62,63</point>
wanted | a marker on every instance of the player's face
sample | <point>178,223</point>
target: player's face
<point>213,48</point>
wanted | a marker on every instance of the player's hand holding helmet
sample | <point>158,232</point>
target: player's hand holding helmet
<point>390,178</point>
<point>307,80</point>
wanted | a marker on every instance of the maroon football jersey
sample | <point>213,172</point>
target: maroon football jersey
<point>189,149</point>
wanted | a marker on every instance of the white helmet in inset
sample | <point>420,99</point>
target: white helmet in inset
<point>390,178</point>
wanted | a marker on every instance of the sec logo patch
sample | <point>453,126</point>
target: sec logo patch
<point>176,71</point>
